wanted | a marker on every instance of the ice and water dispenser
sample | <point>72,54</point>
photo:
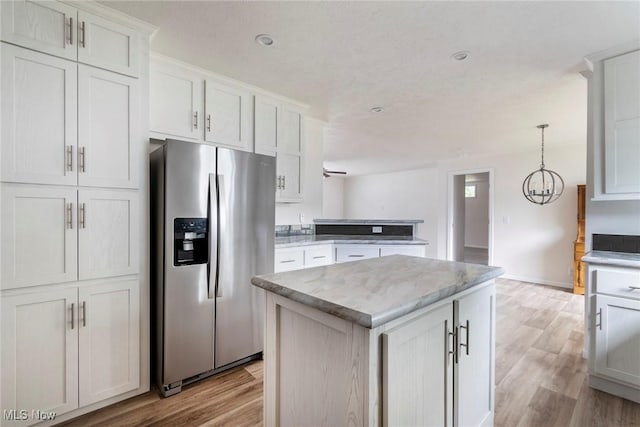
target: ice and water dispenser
<point>190,241</point>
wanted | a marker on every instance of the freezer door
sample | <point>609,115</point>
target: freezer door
<point>188,312</point>
<point>246,197</point>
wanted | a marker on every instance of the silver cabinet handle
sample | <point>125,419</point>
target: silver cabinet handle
<point>318,257</point>
<point>454,336</point>
<point>279,186</point>
<point>599,314</point>
<point>81,216</point>
<point>81,34</point>
<point>81,159</point>
<point>195,120</point>
<point>466,344</point>
<point>70,216</point>
<point>70,31</point>
<point>69,155</point>
<point>84,313</point>
<point>355,256</point>
<point>73,318</point>
<point>208,122</point>
<point>632,287</point>
<point>284,182</point>
<point>287,261</point>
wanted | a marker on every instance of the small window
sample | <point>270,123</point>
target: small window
<point>470,191</point>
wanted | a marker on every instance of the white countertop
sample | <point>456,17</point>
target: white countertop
<point>621,259</point>
<point>305,240</point>
<point>375,291</point>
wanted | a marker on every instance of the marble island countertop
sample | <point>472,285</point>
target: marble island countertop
<point>375,291</point>
<point>621,259</point>
<point>303,240</point>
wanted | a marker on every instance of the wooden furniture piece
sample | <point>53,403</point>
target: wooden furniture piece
<point>578,245</point>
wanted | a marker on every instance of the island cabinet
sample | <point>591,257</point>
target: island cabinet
<point>426,360</point>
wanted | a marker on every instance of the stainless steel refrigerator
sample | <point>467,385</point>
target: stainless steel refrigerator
<point>213,220</point>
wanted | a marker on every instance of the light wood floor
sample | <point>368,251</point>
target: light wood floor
<point>540,376</point>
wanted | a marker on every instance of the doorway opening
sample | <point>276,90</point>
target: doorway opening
<point>470,217</point>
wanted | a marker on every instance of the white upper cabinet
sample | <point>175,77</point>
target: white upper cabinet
<point>265,132</point>
<point>39,240</point>
<point>622,123</point>
<point>39,116</point>
<point>288,184</point>
<point>290,130</point>
<point>107,233</point>
<point>107,116</point>
<point>175,101</point>
<point>229,113</point>
<point>107,44</point>
<point>46,26</point>
<point>61,30</point>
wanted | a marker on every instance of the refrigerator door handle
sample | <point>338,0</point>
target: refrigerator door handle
<point>222,212</point>
<point>214,218</point>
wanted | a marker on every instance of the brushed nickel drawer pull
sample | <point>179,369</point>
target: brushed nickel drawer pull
<point>70,216</point>
<point>208,122</point>
<point>70,30</point>
<point>84,313</point>
<point>466,344</point>
<point>320,256</point>
<point>81,159</point>
<point>81,216</point>
<point>73,318</point>
<point>81,35</point>
<point>355,256</point>
<point>195,120</point>
<point>599,314</point>
<point>287,261</point>
<point>69,153</point>
<point>632,287</point>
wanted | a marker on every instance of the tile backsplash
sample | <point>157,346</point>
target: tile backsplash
<point>295,230</point>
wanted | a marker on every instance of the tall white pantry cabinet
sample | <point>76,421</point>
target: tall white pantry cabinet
<point>74,292</point>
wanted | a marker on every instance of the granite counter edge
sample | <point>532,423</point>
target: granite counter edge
<point>378,319</point>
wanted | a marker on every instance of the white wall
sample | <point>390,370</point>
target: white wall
<point>311,207</point>
<point>333,197</point>
<point>533,243</point>
<point>399,195</point>
<point>476,214</point>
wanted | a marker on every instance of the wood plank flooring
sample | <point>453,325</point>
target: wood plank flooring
<point>541,378</point>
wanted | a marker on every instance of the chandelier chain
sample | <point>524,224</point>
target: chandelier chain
<point>542,161</point>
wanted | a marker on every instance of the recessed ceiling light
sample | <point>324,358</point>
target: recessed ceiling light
<point>377,110</point>
<point>264,39</point>
<point>460,56</point>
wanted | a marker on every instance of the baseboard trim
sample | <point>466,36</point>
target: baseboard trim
<point>539,281</point>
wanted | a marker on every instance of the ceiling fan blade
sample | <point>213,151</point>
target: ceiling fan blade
<point>337,172</point>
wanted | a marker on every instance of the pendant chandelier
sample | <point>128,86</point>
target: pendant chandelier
<point>542,186</point>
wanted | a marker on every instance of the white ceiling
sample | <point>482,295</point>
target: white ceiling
<point>342,58</point>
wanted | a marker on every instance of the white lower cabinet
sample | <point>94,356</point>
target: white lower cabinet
<point>617,338</point>
<point>288,259</point>
<point>317,255</point>
<point>68,347</point>
<point>612,326</point>
<point>444,357</point>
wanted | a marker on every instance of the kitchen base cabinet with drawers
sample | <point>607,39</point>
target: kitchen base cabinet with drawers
<point>613,329</point>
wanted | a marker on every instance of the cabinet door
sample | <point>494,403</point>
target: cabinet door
<point>265,132</point>
<point>107,134</point>
<point>622,123</point>
<point>175,101</point>
<point>106,44</point>
<point>39,117</point>
<point>39,243</point>
<point>109,328</point>
<point>417,371</point>
<point>107,233</point>
<point>318,255</point>
<point>288,171</point>
<point>290,130</point>
<point>46,26</point>
<point>617,338</point>
<point>474,315</point>
<point>40,352</point>
<point>228,116</point>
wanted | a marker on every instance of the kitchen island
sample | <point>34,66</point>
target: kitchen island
<point>395,340</point>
